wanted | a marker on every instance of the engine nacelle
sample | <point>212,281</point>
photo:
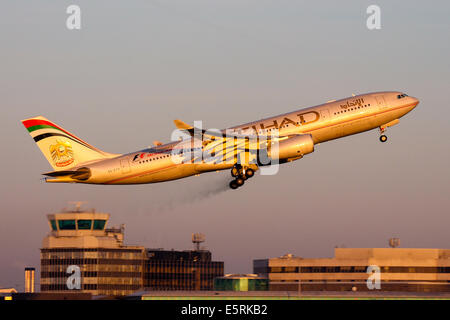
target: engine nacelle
<point>293,148</point>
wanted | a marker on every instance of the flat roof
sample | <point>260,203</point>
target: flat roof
<point>283,295</point>
<point>372,253</point>
<point>78,215</point>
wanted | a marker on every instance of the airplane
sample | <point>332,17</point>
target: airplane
<point>242,149</point>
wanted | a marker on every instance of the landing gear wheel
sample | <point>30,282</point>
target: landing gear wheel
<point>235,172</point>
<point>233,184</point>
<point>240,181</point>
<point>383,138</point>
<point>249,173</point>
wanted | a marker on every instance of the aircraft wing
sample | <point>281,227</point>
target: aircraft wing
<point>227,146</point>
<point>221,134</point>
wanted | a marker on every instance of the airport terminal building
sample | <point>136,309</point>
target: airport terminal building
<point>81,242</point>
<point>401,269</point>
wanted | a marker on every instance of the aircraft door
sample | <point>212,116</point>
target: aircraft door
<point>380,102</point>
<point>324,115</point>
<point>125,165</point>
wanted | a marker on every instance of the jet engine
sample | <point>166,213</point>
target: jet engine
<point>292,148</point>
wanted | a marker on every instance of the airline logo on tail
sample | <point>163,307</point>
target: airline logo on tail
<point>62,153</point>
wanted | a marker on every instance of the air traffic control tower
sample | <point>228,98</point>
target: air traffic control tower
<point>81,240</point>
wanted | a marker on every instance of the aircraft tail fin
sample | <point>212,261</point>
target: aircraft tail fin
<point>62,149</point>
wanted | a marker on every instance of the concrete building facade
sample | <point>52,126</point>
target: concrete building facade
<point>400,269</point>
<point>80,254</point>
<point>81,239</point>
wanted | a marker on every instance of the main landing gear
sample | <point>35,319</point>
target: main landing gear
<point>240,174</point>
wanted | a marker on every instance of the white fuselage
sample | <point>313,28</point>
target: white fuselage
<point>323,122</point>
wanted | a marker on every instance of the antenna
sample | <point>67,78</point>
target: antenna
<point>394,242</point>
<point>77,204</point>
<point>198,238</point>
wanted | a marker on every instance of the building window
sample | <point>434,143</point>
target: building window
<point>84,224</point>
<point>99,224</point>
<point>346,269</point>
<point>53,224</point>
<point>66,224</point>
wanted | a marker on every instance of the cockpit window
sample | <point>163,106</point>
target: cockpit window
<point>400,96</point>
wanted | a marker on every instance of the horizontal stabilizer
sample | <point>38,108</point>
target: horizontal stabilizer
<point>59,173</point>
<point>80,174</point>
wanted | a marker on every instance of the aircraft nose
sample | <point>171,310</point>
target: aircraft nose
<point>415,102</point>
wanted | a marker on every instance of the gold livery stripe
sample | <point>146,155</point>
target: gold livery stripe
<point>139,174</point>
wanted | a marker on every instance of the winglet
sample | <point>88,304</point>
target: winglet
<point>182,125</point>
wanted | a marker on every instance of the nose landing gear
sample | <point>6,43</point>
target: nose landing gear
<point>383,137</point>
<point>383,128</point>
